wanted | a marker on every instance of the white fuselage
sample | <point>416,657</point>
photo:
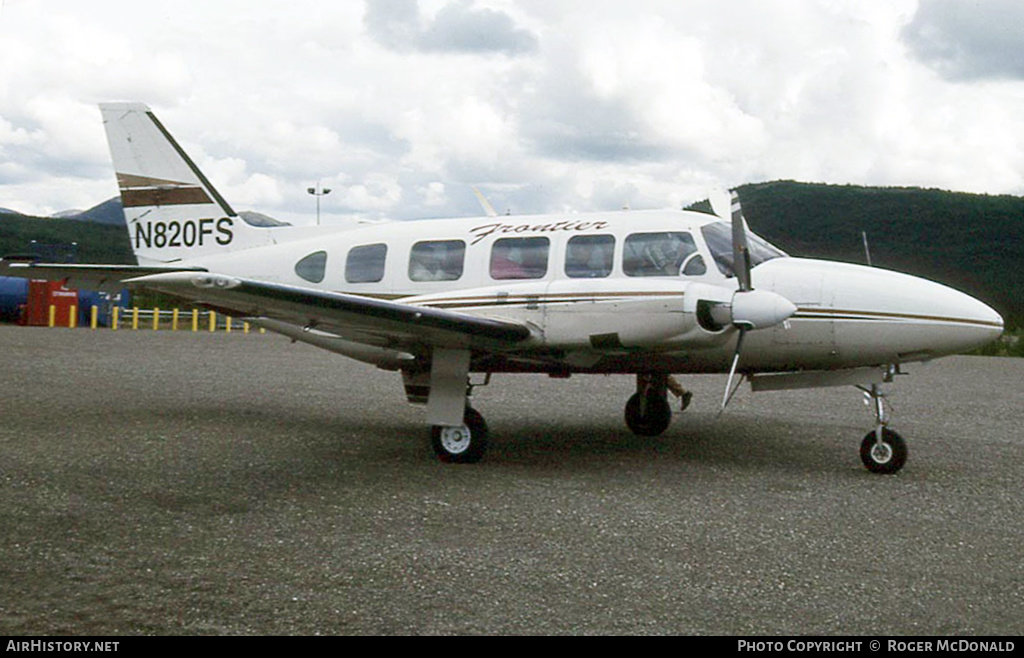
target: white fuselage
<point>623,315</point>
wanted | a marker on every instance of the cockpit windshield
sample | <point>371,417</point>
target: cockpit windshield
<point>718,235</point>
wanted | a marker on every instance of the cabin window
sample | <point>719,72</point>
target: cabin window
<point>718,235</point>
<point>438,260</point>
<point>312,267</point>
<point>520,258</point>
<point>589,256</point>
<point>657,254</point>
<point>695,266</point>
<point>366,264</point>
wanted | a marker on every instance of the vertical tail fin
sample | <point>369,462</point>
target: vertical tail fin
<point>173,212</point>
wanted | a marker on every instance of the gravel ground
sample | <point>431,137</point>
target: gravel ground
<point>159,483</point>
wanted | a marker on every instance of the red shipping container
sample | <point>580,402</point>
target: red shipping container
<point>41,295</point>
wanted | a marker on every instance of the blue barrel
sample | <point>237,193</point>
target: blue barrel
<point>13,297</point>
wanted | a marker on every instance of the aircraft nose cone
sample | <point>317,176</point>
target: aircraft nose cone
<point>986,324</point>
<point>927,319</point>
<point>867,315</point>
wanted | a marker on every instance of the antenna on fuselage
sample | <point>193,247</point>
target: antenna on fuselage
<point>867,251</point>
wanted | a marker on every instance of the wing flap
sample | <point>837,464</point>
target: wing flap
<point>362,319</point>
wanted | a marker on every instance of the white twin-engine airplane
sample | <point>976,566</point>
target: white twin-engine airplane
<point>650,294</point>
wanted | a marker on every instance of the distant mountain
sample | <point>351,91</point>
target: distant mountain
<point>259,219</point>
<point>110,212</point>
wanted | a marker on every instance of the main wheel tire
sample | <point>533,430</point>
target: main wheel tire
<point>648,415</point>
<point>462,444</point>
<point>885,458</point>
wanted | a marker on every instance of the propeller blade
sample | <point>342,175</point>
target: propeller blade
<point>729,391</point>
<point>740,247</point>
<point>721,204</point>
<point>749,309</point>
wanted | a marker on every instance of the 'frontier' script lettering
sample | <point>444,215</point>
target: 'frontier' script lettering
<point>481,232</point>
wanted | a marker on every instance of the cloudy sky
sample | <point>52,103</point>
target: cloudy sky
<point>401,106</point>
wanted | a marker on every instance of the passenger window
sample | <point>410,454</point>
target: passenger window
<point>656,254</point>
<point>520,258</point>
<point>589,256</point>
<point>440,260</point>
<point>312,267</point>
<point>366,264</point>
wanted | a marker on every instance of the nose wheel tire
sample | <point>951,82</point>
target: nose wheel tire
<point>648,415</point>
<point>461,444</point>
<point>887,457</point>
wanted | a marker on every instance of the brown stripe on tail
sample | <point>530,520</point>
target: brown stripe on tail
<point>141,191</point>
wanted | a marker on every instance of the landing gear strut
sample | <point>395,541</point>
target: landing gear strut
<point>882,450</point>
<point>647,411</point>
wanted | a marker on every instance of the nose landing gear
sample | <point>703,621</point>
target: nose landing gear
<point>886,455</point>
<point>883,451</point>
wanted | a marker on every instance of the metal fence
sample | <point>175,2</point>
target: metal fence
<point>156,319</point>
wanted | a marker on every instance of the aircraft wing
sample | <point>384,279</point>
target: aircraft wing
<point>108,278</point>
<point>355,319</point>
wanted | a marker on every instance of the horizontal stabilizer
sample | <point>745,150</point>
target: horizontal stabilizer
<point>106,278</point>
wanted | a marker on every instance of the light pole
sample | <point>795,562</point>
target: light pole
<point>318,192</point>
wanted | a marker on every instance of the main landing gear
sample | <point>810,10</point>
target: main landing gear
<point>461,444</point>
<point>458,433</point>
<point>882,450</point>
<point>648,412</point>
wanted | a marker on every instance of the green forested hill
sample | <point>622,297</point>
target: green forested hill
<point>972,242</point>
<point>97,243</point>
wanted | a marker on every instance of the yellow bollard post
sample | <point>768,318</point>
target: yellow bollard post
<point>135,318</point>
<point>73,317</point>
<point>94,317</point>
<point>156,319</point>
<point>174,320</point>
<point>195,320</point>
<point>113,317</point>
<point>213,321</point>
<point>245,327</point>
<point>53,316</point>
<point>227,324</point>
